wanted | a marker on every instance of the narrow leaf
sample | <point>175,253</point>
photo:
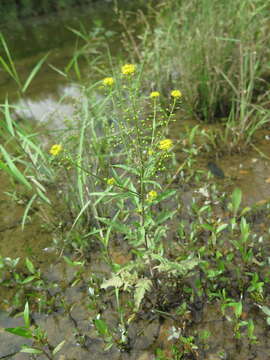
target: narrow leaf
<point>26,315</point>
<point>20,331</point>
<point>14,170</point>
<point>8,118</point>
<point>30,266</point>
<point>27,209</point>
<point>33,73</point>
<point>59,347</point>
<point>31,350</point>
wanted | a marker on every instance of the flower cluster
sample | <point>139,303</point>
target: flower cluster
<point>151,195</point>
<point>176,94</point>
<point>108,81</point>
<point>55,149</point>
<point>165,144</point>
<point>154,94</point>
<point>128,69</point>
<point>111,181</point>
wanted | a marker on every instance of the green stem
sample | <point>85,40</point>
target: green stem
<point>102,180</point>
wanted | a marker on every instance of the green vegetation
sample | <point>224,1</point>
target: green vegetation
<point>13,10</point>
<point>123,172</point>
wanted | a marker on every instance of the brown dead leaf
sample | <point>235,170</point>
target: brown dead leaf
<point>243,172</point>
<point>267,180</point>
<point>261,202</point>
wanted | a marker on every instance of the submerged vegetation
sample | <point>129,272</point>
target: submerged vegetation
<point>121,186</point>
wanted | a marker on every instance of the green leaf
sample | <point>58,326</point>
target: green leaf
<point>29,350</point>
<point>6,67</point>
<point>266,310</point>
<point>20,331</point>
<point>174,267</point>
<point>115,281</point>
<point>73,263</point>
<point>141,287</point>
<point>238,309</point>
<point>79,34</point>
<point>59,347</point>
<point>58,71</point>
<point>28,279</point>
<point>165,195</point>
<point>11,70</point>
<point>245,210</point>
<point>163,216</point>
<point>81,212</point>
<point>221,227</point>
<point>14,170</point>
<point>26,315</point>
<point>30,266</point>
<point>8,118</point>
<point>43,196</point>
<point>128,169</point>
<point>207,227</point>
<point>124,229</point>
<point>101,327</point>
<point>33,73</point>
<point>27,209</point>
<point>236,199</point>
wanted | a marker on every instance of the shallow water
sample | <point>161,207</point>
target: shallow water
<point>49,96</point>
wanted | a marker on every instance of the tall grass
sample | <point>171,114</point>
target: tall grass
<point>204,46</point>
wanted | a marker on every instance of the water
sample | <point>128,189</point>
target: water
<point>50,95</point>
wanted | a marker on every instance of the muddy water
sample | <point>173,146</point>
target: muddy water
<point>30,40</point>
<point>249,170</point>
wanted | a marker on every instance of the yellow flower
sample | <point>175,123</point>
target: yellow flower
<point>111,181</point>
<point>108,81</point>
<point>176,94</point>
<point>55,149</point>
<point>151,195</point>
<point>154,94</point>
<point>165,144</point>
<point>128,69</point>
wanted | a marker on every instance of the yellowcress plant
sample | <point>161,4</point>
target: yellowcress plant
<point>176,94</point>
<point>165,144</point>
<point>128,69</point>
<point>108,81</point>
<point>55,149</point>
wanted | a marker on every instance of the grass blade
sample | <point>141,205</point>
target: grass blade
<point>8,118</point>
<point>34,72</point>
<point>12,68</point>
<point>28,207</point>
<point>15,172</point>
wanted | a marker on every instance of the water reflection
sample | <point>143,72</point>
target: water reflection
<point>50,96</point>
